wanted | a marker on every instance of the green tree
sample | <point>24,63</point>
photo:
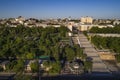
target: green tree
<point>35,66</point>
<point>56,67</point>
<point>30,55</point>
<point>19,66</point>
<point>70,53</point>
<point>88,66</point>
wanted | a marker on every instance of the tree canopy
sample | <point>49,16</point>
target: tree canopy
<point>115,29</point>
<point>24,41</point>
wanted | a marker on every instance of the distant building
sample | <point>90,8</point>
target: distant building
<point>86,20</point>
<point>85,27</point>
<point>103,21</point>
<point>70,25</point>
<point>116,22</point>
<point>104,26</point>
<point>20,19</point>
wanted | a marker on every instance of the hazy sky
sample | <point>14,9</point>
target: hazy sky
<point>60,8</point>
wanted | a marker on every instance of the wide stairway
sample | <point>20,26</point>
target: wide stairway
<point>89,50</point>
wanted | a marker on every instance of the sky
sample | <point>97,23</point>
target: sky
<point>60,8</point>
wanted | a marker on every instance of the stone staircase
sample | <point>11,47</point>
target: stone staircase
<point>89,50</point>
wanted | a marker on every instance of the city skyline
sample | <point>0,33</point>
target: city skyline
<point>60,8</point>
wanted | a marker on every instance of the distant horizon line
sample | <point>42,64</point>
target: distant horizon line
<point>56,17</point>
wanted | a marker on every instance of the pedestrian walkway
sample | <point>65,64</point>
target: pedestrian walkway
<point>90,51</point>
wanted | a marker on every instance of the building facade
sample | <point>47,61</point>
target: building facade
<point>86,20</point>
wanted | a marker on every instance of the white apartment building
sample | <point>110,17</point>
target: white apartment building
<point>116,22</point>
<point>86,20</point>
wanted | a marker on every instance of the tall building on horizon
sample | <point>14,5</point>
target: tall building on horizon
<point>86,20</point>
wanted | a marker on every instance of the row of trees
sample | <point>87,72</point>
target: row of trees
<point>112,43</point>
<point>107,42</point>
<point>115,29</point>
